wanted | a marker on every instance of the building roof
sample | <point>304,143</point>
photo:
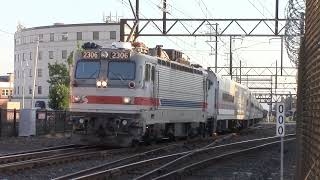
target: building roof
<point>56,25</point>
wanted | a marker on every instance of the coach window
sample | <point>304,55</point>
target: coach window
<point>147,73</point>
<point>153,73</point>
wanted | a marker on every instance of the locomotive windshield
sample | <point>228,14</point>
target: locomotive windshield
<point>87,69</point>
<point>120,70</point>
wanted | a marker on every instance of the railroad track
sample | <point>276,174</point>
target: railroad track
<point>13,162</point>
<point>171,165</point>
<point>167,149</point>
<point>26,155</point>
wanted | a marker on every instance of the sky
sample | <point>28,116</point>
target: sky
<point>251,51</point>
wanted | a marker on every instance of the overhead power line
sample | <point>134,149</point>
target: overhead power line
<point>6,32</point>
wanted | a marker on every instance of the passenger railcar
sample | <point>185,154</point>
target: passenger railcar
<point>125,94</point>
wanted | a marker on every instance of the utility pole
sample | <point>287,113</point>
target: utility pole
<point>240,72</point>
<point>281,56</point>
<point>270,112</point>
<point>164,14</point>
<point>137,16</point>
<point>35,73</point>
<point>216,49</point>
<point>230,57</point>
<point>277,17</point>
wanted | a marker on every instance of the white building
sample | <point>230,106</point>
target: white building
<point>56,42</point>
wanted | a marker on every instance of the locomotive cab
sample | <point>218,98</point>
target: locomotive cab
<point>110,89</point>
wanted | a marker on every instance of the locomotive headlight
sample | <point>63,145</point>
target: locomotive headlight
<point>104,83</point>
<point>81,120</point>
<point>98,83</point>
<point>124,122</point>
<point>76,99</point>
<point>126,100</point>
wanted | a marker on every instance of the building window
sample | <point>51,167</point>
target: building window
<point>79,35</point>
<point>30,90</point>
<point>30,72</point>
<point>40,55</point>
<point>32,39</point>
<point>39,89</point>
<point>15,90</point>
<point>95,35</point>
<point>23,56</point>
<point>64,54</point>
<point>51,36</point>
<point>39,72</point>
<point>40,37</point>
<point>113,35</point>
<point>64,36</point>
<point>30,56</point>
<point>18,90</point>
<point>18,74</point>
<point>23,40</point>
<point>50,54</point>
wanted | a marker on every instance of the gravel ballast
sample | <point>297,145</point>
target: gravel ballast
<point>48,172</point>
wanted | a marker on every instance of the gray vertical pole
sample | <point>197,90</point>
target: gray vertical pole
<point>276,81</point>
<point>277,17</point>
<point>35,73</point>
<point>281,63</point>
<point>216,54</point>
<point>164,19</point>
<point>281,161</point>
<point>240,72</point>
<point>230,57</point>
<point>137,15</point>
<point>270,113</point>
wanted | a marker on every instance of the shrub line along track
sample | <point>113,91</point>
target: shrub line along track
<point>173,164</point>
<point>135,158</point>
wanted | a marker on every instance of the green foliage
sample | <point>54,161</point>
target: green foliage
<point>58,74</point>
<point>59,80</point>
<point>59,97</point>
<point>70,59</point>
<point>79,47</point>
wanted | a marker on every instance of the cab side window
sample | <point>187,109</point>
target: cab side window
<point>153,73</point>
<point>147,73</point>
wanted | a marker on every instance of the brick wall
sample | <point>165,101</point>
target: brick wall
<point>308,127</point>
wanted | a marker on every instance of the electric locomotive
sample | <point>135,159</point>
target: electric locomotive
<point>129,93</point>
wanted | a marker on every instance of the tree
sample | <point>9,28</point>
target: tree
<point>59,80</point>
<point>59,97</point>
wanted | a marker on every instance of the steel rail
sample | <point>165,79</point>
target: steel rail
<point>127,160</point>
<point>42,149</point>
<point>164,161</point>
<point>192,167</point>
<point>36,154</point>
